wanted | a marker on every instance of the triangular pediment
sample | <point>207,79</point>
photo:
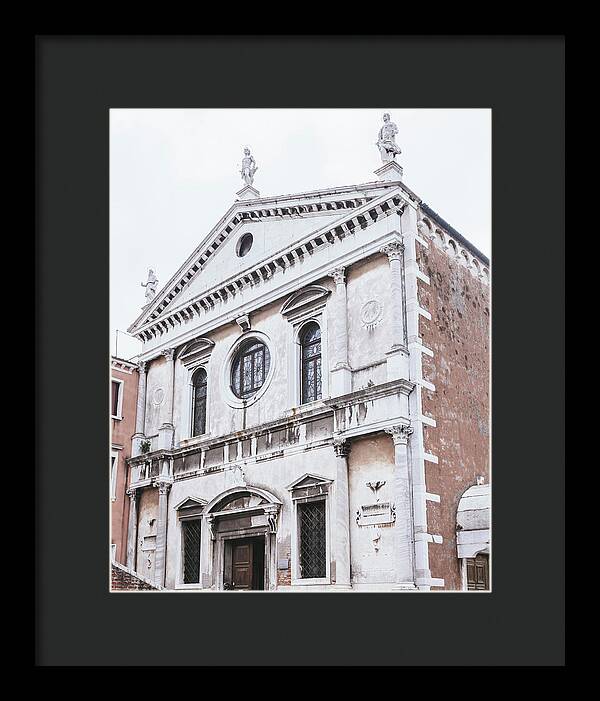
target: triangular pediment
<point>308,480</point>
<point>190,503</point>
<point>283,231</point>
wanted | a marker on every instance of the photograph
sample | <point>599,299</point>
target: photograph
<point>299,350</point>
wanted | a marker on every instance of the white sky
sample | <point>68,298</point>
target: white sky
<point>174,173</point>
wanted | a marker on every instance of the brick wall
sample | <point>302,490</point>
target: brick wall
<point>458,334</point>
<point>123,579</point>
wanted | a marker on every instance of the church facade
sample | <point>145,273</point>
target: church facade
<point>313,399</point>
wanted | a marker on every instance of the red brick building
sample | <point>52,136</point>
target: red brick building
<point>123,396</point>
<point>458,300</point>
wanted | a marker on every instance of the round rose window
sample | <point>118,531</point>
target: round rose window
<point>249,369</point>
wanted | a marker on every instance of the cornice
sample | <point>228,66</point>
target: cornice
<point>271,295</point>
<point>357,219</point>
<point>123,365</point>
<point>237,215</point>
<point>369,393</point>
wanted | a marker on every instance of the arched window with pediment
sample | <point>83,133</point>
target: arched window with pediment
<point>310,343</point>
<point>199,382</point>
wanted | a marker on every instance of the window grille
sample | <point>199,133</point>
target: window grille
<point>250,368</point>
<point>199,384</point>
<point>311,363</point>
<point>191,551</point>
<point>312,539</point>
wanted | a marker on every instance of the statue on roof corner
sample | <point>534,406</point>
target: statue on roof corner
<point>249,167</point>
<point>388,148</point>
<point>151,284</point>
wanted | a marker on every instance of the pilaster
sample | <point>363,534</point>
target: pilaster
<point>164,483</point>
<point>140,413</point>
<point>166,431</point>
<point>404,550</point>
<point>397,355</point>
<point>341,521</point>
<point>341,374</point>
<point>132,529</point>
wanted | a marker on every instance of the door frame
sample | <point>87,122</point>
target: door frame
<point>269,570</point>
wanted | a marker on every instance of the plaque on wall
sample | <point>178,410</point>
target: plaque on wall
<point>376,514</point>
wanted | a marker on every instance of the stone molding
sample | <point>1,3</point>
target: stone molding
<point>361,217</point>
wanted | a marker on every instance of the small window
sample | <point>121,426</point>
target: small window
<point>313,551</point>
<point>244,245</point>
<point>113,476</point>
<point>191,551</point>
<point>250,368</point>
<point>199,402</point>
<point>310,343</point>
<point>115,399</point>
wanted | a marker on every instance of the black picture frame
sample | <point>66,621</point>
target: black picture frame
<point>78,622</point>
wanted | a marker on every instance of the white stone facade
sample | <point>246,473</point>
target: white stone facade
<point>344,258</point>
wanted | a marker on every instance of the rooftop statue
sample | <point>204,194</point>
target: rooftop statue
<point>151,284</point>
<point>388,148</point>
<point>249,167</point>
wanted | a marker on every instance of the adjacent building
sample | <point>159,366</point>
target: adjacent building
<point>313,399</point>
<point>123,396</point>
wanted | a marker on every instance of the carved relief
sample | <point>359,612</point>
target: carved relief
<point>375,487</point>
<point>376,514</point>
<point>371,313</point>
<point>158,396</point>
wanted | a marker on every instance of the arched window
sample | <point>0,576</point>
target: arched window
<point>199,402</point>
<point>250,368</point>
<point>310,343</point>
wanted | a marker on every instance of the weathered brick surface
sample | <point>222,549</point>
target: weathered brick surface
<point>458,334</point>
<point>123,579</point>
<point>121,432</point>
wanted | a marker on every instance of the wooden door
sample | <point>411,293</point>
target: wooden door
<point>478,573</point>
<point>242,565</point>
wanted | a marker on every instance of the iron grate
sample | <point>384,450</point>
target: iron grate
<point>191,550</point>
<point>312,539</point>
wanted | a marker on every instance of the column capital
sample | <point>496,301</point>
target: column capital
<point>132,493</point>
<point>341,447</point>
<point>142,365</point>
<point>393,250</point>
<point>338,274</point>
<point>168,353</point>
<point>163,485</point>
<point>400,434</point>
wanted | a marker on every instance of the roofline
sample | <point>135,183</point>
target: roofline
<point>450,229</point>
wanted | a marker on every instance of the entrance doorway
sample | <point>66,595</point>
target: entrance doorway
<point>478,573</point>
<point>244,568</point>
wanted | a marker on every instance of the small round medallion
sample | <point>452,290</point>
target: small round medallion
<point>371,313</point>
<point>158,396</point>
